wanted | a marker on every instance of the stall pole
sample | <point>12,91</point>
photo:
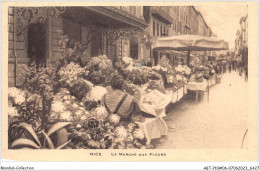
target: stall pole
<point>188,57</point>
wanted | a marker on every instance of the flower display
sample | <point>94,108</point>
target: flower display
<point>138,134</point>
<point>96,134</point>
<point>100,112</point>
<point>72,91</point>
<point>99,70</point>
<point>17,96</point>
<point>131,126</point>
<point>57,106</point>
<point>133,90</point>
<point>70,72</point>
<point>79,88</point>
<point>66,116</point>
<point>93,123</point>
<point>121,132</point>
<point>114,119</point>
<point>12,112</point>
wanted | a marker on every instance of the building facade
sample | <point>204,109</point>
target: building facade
<point>241,42</point>
<point>34,39</point>
<point>166,21</point>
<point>116,31</point>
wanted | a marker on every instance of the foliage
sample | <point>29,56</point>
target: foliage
<point>29,138</point>
<point>99,70</point>
<point>71,78</point>
<point>73,51</point>
<point>135,76</point>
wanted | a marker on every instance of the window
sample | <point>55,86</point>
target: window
<point>158,30</point>
<point>161,31</point>
<point>153,28</point>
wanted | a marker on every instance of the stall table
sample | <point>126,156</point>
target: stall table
<point>198,87</point>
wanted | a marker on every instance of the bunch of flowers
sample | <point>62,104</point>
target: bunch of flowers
<point>129,136</point>
<point>119,66</point>
<point>99,70</point>
<point>138,77</point>
<point>71,78</point>
<point>114,119</point>
<point>100,113</point>
<point>102,130</point>
<point>66,107</point>
<point>79,88</point>
<point>15,95</point>
<point>70,72</point>
<point>73,51</point>
<point>132,89</point>
<point>40,81</point>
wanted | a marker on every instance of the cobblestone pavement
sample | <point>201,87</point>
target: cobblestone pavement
<point>220,122</point>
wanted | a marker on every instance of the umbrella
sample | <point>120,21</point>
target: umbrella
<point>190,43</point>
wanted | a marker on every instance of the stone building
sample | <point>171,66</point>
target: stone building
<point>166,21</point>
<point>116,31</point>
<point>34,38</point>
<point>241,42</point>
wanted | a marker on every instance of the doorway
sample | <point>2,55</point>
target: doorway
<point>37,44</point>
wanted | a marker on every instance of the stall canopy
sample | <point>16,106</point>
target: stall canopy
<point>190,43</point>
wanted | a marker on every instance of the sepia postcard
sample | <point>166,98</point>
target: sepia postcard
<point>129,81</point>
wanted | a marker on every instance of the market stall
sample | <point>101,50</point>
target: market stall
<point>194,43</point>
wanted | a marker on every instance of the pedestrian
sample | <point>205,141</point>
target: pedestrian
<point>240,72</point>
<point>246,74</point>
<point>229,67</point>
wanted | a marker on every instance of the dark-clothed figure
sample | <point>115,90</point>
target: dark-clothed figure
<point>246,73</point>
<point>229,68</point>
<point>119,102</point>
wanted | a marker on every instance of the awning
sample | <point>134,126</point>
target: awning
<point>104,16</point>
<point>190,42</point>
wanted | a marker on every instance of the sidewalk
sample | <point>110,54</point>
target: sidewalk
<point>219,123</point>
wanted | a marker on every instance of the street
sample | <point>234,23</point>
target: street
<point>218,123</point>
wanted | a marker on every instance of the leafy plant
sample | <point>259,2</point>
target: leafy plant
<point>73,51</point>
<point>37,139</point>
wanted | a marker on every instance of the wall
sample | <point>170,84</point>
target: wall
<point>19,44</point>
<point>193,21</point>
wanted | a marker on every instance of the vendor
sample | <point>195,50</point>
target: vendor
<point>118,101</point>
